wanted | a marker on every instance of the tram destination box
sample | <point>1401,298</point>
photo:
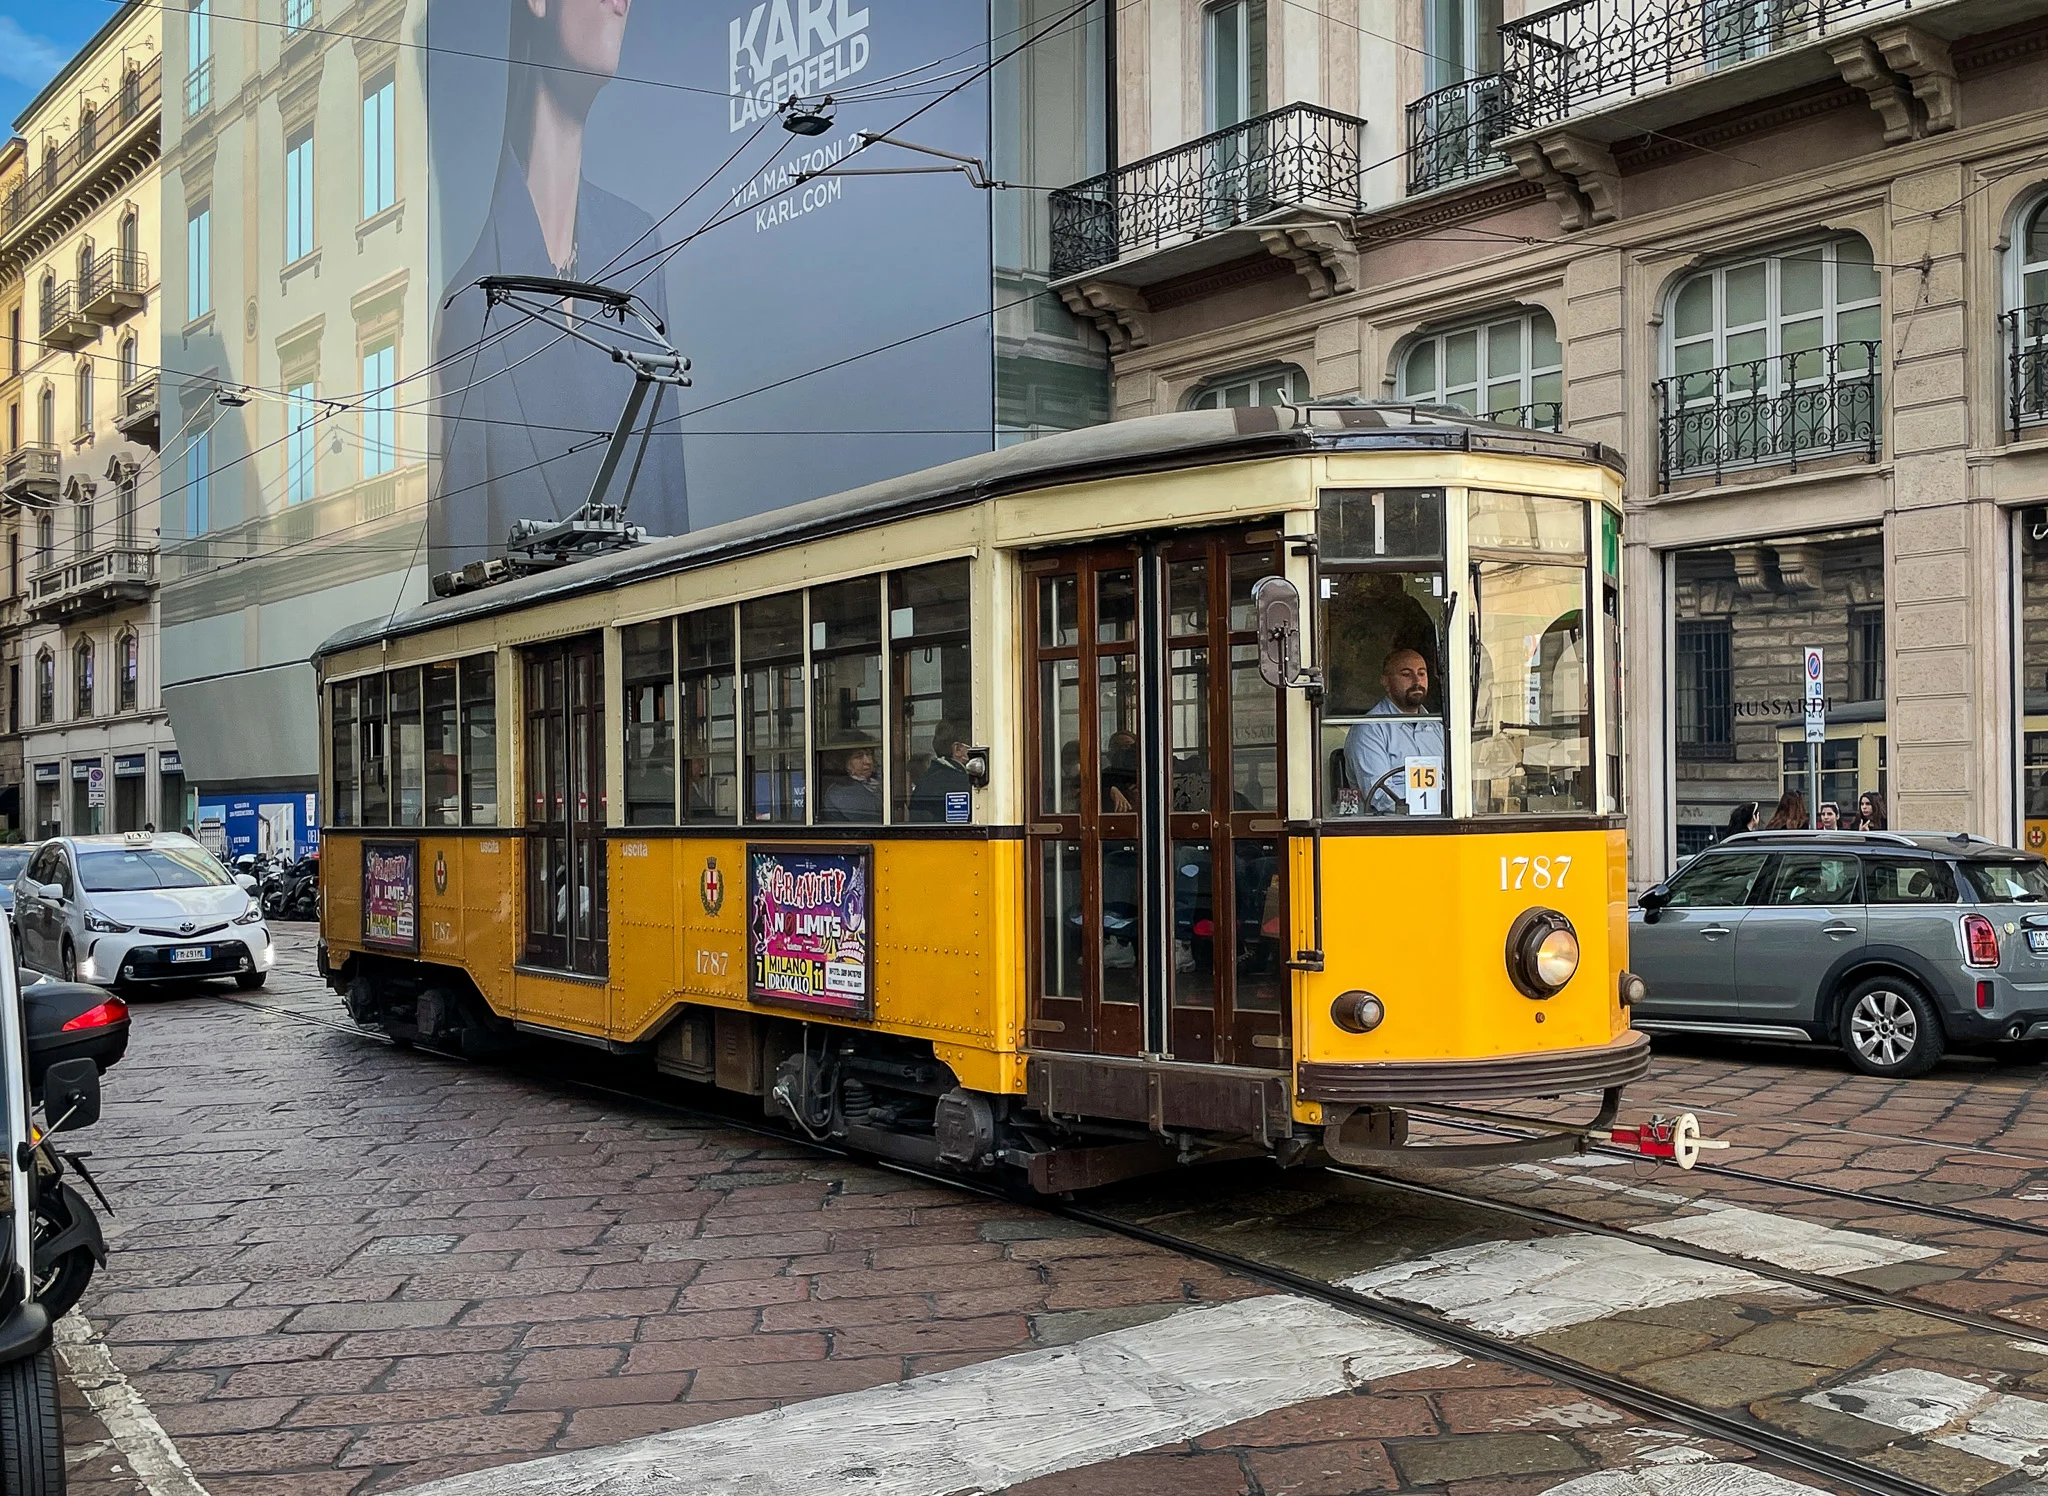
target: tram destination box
<point>809,934</point>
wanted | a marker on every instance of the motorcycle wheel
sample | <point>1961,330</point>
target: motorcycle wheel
<point>31,1427</point>
<point>63,1285</point>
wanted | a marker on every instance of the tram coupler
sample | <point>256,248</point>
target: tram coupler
<point>1676,1138</point>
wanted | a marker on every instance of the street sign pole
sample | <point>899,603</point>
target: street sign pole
<point>1816,731</point>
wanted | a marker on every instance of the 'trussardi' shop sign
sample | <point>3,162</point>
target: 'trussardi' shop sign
<point>791,48</point>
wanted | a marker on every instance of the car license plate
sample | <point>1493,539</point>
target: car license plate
<point>186,953</point>
<point>2037,940</point>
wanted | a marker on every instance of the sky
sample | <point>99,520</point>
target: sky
<point>37,37</point>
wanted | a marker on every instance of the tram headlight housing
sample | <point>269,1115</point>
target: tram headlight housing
<point>1358,1012</point>
<point>1542,952</point>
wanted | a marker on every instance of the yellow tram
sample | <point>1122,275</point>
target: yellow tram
<point>1212,783</point>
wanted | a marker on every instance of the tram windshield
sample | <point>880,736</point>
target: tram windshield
<point>1394,598</point>
<point>1385,601</point>
<point>1532,715</point>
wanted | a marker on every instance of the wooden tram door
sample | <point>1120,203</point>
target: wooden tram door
<point>566,907</point>
<point>1155,846</point>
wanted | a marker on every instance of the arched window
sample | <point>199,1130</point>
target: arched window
<point>1508,368</point>
<point>46,303</point>
<point>46,686</point>
<point>46,541</point>
<point>84,382</point>
<point>88,131</point>
<point>85,269</point>
<point>131,95</point>
<point>1275,384</point>
<point>130,267</point>
<point>130,364</point>
<point>2027,321</point>
<point>46,417</point>
<point>82,678</point>
<point>128,651</point>
<point>1773,358</point>
<point>124,511</point>
<point>81,522</point>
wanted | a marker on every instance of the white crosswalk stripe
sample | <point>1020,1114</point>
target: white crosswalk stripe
<point>1949,1411</point>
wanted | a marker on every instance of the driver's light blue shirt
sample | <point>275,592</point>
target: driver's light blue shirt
<point>1377,746</point>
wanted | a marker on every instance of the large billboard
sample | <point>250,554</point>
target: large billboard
<point>642,145</point>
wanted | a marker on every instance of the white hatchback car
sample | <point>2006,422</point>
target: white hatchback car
<point>138,908</point>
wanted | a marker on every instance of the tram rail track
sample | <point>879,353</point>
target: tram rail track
<point>1788,1450</point>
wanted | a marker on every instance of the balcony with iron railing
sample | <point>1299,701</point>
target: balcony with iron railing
<point>93,584</point>
<point>1451,133</point>
<point>90,146</point>
<point>199,89</point>
<point>1589,55</point>
<point>118,286</point>
<point>60,324</point>
<point>139,419</point>
<point>1300,156</point>
<point>2026,362</point>
<point>1763,412</point>
<point>30,474</point>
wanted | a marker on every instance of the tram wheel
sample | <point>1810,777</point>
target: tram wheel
<point>1889,1028</point>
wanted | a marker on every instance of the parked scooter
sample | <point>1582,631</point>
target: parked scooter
<point>293,892</point>
<point>49,1242</point>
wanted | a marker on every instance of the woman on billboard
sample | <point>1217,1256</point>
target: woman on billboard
<point>546,217</point>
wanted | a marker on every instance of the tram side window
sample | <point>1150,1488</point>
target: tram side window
<point>407,744</point>
<point>772,645</point>
<point>1384,598</point>
<point>711,775</point>
<point>479,741</point>
<point>1532,700</point>
<point>650,661</point>
<point>341,765</point>
<point>846,702</point>
<point>443,748</point>
<point>930,612</point>
<point>371,724</point>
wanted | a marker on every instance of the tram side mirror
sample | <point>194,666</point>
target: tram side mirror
<point>1653,899</point>
<point>71,1094</point>
<point>1277,604</point>
<point>975,767</point>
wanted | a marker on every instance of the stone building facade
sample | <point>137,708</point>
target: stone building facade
<point>300,319</point>
<point>79,485</point>
<point>1793,264</point>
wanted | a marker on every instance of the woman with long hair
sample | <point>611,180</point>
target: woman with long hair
<point>1870,811</point>
<point>1790,814</point>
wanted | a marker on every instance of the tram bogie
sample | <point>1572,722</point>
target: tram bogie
<point>977,820</point>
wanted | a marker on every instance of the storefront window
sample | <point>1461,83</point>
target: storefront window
<point>1384,602</point>
<point>1743,615</point>
<point>1532,703</point>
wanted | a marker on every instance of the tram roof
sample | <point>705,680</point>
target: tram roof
<point>1191,438</point>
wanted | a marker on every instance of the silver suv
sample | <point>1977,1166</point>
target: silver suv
<point>1896,946</point>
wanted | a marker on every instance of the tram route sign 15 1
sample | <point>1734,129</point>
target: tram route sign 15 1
<point>391,896</point>
<point>810,933</point>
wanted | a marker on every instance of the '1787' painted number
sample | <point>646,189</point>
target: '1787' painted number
<point>1533,872</point>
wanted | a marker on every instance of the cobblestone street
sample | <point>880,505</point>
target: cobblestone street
<point>340,1267</point>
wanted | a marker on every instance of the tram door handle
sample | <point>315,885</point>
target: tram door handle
<point>1714,932</point>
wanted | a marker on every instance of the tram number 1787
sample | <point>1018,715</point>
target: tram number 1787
<point>1533,872</point>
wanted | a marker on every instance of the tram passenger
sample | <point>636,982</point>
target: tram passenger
<point>945,775</point>
<point>1120,774</point>
<point>856,796</point>
<point>1377,750</point>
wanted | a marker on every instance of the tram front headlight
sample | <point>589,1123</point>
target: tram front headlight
<point>1542,952</point>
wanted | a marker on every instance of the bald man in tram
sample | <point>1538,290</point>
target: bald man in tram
<point>1397,729</point>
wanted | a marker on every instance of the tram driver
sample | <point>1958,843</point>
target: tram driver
<point>1395,733</point>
